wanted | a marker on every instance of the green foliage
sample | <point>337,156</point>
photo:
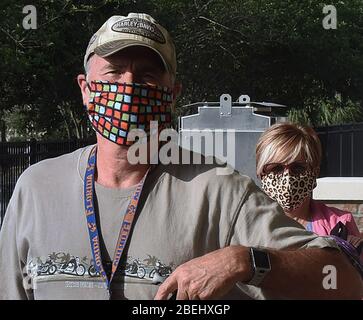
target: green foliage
<point>275,50</point>
<point>326,112</point>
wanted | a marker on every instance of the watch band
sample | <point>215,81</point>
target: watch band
<point>261,266</point>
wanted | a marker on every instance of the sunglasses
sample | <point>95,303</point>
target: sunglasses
<point>295,168</point>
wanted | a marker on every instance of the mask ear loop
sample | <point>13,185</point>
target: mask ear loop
<point>89,86</point>
<point>315,172</point>
<point>89,90</point>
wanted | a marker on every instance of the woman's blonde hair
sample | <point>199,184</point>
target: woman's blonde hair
<point>285,143</point>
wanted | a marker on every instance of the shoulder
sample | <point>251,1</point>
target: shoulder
<point>331,214</point>
<point>51,170</point>
<point>42,185</point>
<point>207,176</point>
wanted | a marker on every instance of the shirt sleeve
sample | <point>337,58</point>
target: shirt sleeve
<point>260,222</point>
<point>13,276</point>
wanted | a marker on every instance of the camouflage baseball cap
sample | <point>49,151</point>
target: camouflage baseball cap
<point>136,29</point>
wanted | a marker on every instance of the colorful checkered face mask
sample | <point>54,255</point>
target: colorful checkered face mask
<point>115,108</point>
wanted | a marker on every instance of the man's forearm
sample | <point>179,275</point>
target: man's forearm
<point>300,275</point>
<point>294,275</point>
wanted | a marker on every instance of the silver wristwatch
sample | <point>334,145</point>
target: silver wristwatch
<point>261,266</point>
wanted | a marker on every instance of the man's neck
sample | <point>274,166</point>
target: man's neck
<point>113,168</point>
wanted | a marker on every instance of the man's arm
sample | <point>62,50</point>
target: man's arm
<point>303,274</point>
<point>12,269</point>
<point>294,274</point>
<point>298,258</point>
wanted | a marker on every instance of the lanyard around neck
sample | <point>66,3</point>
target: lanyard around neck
<point>89,192</point>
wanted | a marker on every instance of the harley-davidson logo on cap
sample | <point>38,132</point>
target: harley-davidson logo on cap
<point>139,27</point>
<point>135,29</point>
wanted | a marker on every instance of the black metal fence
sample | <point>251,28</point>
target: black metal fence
<point>342,150</point>
<point>15,157</point>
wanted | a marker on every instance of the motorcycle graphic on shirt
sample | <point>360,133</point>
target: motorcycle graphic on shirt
<point>151,269</point>
<point>59,263</point>
<point>156,272</point>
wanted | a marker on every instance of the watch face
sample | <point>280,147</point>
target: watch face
<point>261,259</point>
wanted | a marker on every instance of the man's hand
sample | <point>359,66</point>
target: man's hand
<point>295,274</point>
<point>210,276</point>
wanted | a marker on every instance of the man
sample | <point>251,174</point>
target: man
<point>199,233</point>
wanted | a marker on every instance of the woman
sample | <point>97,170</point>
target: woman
<point>288,162</point>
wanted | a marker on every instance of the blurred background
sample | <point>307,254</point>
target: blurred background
<point>273,50</point>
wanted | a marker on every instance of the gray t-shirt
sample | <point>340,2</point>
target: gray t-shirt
<point>185,211</point>
<point>112,203</point>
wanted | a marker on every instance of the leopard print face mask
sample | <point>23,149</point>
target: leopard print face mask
<point>290,191</point>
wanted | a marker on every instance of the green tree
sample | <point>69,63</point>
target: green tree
<point>274,50</point>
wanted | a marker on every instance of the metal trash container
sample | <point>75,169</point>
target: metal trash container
<point>229,130</point>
